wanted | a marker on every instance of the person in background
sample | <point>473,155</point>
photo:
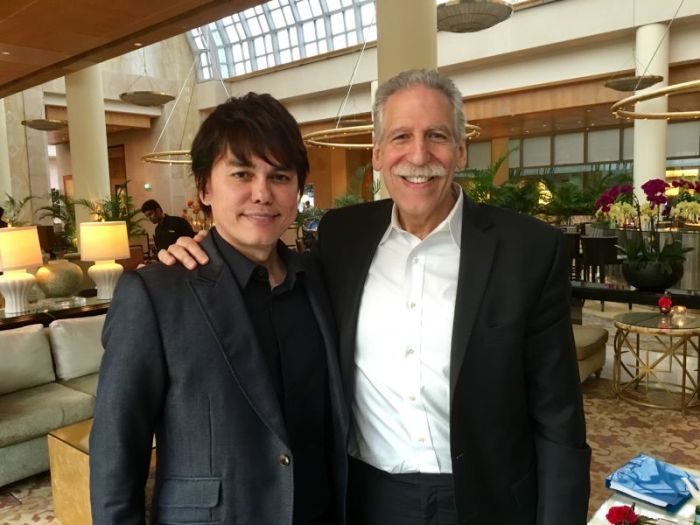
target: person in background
<point>168,227</point>
<point>3,224</point>
<point>231,366</point>
<point>456,348</point>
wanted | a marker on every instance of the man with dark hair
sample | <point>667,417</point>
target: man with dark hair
<point>232,366</point>
<point>3,224</point>
<point>168,227</point>
<point>456,349</point>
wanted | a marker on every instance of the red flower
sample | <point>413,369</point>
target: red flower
<point>665,302</point>
<point>190,203</point>
<point>621,515</point>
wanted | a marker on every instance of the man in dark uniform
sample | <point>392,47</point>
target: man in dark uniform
<point>168,227</point>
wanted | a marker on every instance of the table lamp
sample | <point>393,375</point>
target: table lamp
<point>103,242</point>
<point>19,250</point>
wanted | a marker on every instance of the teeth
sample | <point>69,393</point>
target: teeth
<point>417,179</point>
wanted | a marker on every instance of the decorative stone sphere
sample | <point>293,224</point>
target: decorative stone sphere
<point>59,278</point>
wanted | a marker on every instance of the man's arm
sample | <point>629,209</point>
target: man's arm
<point>186,251</point>
<point>130,394</point>
<point>554,397</point>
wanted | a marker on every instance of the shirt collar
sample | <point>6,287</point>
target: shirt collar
<point>451,224</point>
<point>244,268</point>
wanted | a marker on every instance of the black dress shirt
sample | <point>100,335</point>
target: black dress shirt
<point>293,348</point>
<point>169,229</point>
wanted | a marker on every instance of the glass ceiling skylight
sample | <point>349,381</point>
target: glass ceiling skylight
<point>282,31</point>
<point>279,32</point>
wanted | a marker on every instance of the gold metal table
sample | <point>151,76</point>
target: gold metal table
<point>647,345</point>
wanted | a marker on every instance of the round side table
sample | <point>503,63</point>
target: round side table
<point>639,369</point>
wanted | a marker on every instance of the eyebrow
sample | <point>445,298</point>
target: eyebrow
<point>234,162</point>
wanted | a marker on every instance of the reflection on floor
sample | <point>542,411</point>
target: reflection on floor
<point>617,431</point>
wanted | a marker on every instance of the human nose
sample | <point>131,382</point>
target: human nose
<point>418,153</point>
<point>261,193</point>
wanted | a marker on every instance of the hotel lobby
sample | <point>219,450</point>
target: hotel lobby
<point>572,108</point>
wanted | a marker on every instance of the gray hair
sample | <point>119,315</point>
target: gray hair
<point>428,78</point>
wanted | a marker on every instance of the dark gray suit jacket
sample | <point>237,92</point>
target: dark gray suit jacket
<point>182,362</point>
<point>517,431</point>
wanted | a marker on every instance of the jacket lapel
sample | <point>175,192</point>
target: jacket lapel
<point>322,311</point>
<point>222,305</point>
<point>475,262</point>
<point>366,244</point>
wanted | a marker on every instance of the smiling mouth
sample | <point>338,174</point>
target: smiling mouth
<point>417,179</point>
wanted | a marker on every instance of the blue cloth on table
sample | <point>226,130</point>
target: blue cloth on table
<point>653,481</point>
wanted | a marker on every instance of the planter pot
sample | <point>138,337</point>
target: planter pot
<point>651,277</point>
<point>60,278</point>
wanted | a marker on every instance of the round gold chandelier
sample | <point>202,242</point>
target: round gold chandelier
<point>176,156</point>
<point>333,138</point>
<point>625,107</point>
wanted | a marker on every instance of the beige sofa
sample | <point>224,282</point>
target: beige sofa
<point>590,343</point>
<point>48,379</point>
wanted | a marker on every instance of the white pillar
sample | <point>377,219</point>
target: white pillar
<point>5,182</point>
<point>650,135</point>
<point>406,36</point>
<point>88,137</point>
<point>406,39</point>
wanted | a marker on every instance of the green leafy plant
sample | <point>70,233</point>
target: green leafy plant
<point>62,208</point>
<point>13,209</point>
<point>116,208</point>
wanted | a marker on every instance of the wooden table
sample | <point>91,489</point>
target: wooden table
<point>637,368</point>
<point>69,460</point>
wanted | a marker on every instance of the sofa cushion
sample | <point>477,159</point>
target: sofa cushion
<point>87,384</point>
<point>589,340</point>
<point>76,346</point>
<point>25,358</point>
<point>34,412</point>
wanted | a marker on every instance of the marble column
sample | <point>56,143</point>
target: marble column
<point>88,137</point>
<point>650,135</point>
<point>406,39</point>
<point>5,182</point>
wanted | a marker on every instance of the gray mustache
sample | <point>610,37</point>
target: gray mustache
<point>428,170</point>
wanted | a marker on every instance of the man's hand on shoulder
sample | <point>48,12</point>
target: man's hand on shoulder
<point>186,251</point>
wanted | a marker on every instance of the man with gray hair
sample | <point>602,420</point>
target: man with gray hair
<point>456,347</point>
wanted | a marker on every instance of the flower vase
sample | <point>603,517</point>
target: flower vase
<point>651,276</point>
<point>59,278</point>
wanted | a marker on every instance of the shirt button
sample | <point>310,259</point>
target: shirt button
<point>416,260</point>
<point>412,397</point>
<point>284,460</point>
<point>411,306</point>
<point>409,351</point>
<point>421,440</point>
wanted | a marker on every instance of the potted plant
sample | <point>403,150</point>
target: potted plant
<point>649,265</point>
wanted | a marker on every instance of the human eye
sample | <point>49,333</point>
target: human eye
<point>438,136</point>
<point>282,177</point>
<point>400,137</point>
<point>240,174</point>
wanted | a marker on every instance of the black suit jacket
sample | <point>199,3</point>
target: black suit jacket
<point>182,362</point>
<point>517,431</point>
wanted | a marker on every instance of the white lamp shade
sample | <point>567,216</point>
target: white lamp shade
<point>103,241</point>
<point>19,248</point>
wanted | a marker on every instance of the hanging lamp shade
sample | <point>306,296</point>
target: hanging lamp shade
<point>632,82</point>
<point>45,124</point>
<point>468,16</point>
<point>146,98</point>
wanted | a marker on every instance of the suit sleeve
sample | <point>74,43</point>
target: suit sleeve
<point>555,401</point>
<point>132,384</point>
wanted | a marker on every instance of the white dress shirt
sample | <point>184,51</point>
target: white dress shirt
<point>401,408</point>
